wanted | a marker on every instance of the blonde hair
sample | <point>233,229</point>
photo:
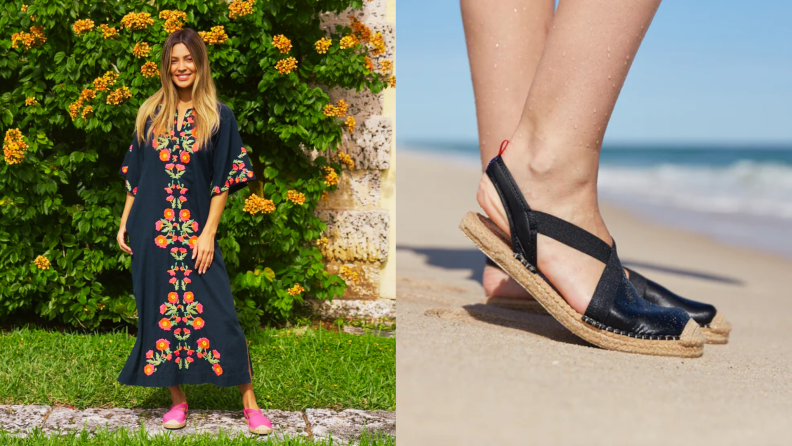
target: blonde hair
<point>204,94</point>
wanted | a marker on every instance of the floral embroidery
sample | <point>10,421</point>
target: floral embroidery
<point>178,228</point>
<point>239,173</point>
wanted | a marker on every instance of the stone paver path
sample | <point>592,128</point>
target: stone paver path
<point>345,427</point>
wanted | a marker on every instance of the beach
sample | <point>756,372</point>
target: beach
<point>473,374</point>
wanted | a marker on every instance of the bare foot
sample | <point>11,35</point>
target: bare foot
<point>499,284</point>
<point>574,274</point>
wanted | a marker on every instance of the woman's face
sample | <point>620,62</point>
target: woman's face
<point>182,68</point>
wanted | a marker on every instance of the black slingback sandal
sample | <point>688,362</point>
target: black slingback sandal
<point>616,318</point>
<point>713,324</point>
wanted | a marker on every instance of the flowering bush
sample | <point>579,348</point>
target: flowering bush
<point>72,78</point>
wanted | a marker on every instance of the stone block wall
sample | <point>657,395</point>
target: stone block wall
<point>360,215</point>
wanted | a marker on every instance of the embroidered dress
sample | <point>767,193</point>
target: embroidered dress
<point>188,329</point>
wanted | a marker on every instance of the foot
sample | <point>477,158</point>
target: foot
<point>565,193</point>
<point>176,417</point>
<point>499,284</point>
<point>257,422</point>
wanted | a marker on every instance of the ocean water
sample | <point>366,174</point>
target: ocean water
<point>739,195</point>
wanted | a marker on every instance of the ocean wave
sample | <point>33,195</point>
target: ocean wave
<point>744,187</point>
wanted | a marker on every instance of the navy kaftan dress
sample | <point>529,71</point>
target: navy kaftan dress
<point>188,329</point>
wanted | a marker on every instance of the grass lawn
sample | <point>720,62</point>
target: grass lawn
<point>293,369</point>
<point>123,437</point>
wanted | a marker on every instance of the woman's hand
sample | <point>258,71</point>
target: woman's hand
<point>203,252</point>
<point>121,239</point>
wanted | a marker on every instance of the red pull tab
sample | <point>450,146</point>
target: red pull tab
<point>503,146</point>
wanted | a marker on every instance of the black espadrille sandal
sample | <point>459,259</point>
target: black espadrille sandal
<point>616,318</point>
<point>713,324</point>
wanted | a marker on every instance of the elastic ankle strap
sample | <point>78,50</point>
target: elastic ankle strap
<point>526,223</point>
<point>522,220</point>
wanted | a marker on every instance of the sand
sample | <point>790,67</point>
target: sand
<point>471,374</point>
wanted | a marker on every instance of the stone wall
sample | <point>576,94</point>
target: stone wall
<point>360,215</point>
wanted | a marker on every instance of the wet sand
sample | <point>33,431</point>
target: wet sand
<point>472,374</point>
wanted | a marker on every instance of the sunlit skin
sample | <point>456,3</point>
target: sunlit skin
<point>549,86</point>
<point>183,72</point>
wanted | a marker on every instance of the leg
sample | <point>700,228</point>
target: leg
<point>177,395</point>
<point>248,396</point>
<point>554,153</point>
<point>505,40</point>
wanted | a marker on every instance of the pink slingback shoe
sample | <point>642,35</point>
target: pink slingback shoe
<point>257,423</point>
<point>175,418</point>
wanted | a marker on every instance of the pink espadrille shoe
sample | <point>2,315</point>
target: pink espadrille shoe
<point>257,423</point>
<point>175,418</point>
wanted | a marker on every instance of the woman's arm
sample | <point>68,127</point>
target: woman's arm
<point>121,237</point>
<point>203,252</point>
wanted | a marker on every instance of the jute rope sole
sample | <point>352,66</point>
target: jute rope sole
<point>479,229</point>
<point>716,333</point>
<point>718,330</point>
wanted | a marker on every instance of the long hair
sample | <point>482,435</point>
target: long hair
<point>166,99</point>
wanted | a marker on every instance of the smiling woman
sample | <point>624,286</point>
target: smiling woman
<point>185,158</point>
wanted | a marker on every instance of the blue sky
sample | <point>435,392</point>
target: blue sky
<point>708,72</point>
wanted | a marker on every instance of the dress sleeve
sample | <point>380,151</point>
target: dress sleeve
<point>231,169</point>
<point>133,163</point>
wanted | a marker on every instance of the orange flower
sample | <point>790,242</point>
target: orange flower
<point>203,343</point>
<point>164,155</point>
<point>81,26</point>
<point>165,324</point>
<point>163,344</point>
<point>282,43</point>
<point>184,215</point>
<point>161,241</point>
<point>322,45</point>
<point>149,69</point>
<point>185,157</point>
<point>148,369</point>
<point>192,241</point>
<point>141,49</point>
<point>286,66</point>
<point>189,296</point>
<point>240,8</point>
<point>198,323</point>
<point>217,369</point>
<point>173,297</point>
<point>169,214</point>
<point>137,20</point>
<point>214,37</point>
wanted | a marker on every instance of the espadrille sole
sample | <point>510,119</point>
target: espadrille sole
<point>484,234</point>
<point>261,430</point>
<point>716,332</point>
<point>174,425</point>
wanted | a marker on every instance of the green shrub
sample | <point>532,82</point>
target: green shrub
<point>61,196</point>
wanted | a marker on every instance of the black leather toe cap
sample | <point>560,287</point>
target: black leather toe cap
<point>632,314</point>
<point>659,295</point>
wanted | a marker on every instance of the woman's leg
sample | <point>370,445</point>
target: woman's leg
<point>554,153</point>
<point>177,395</point>
<point>248,396</point>
<point>505,40</point>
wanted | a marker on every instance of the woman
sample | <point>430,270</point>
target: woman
<point>550,80</point>
<point>186,157</point>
